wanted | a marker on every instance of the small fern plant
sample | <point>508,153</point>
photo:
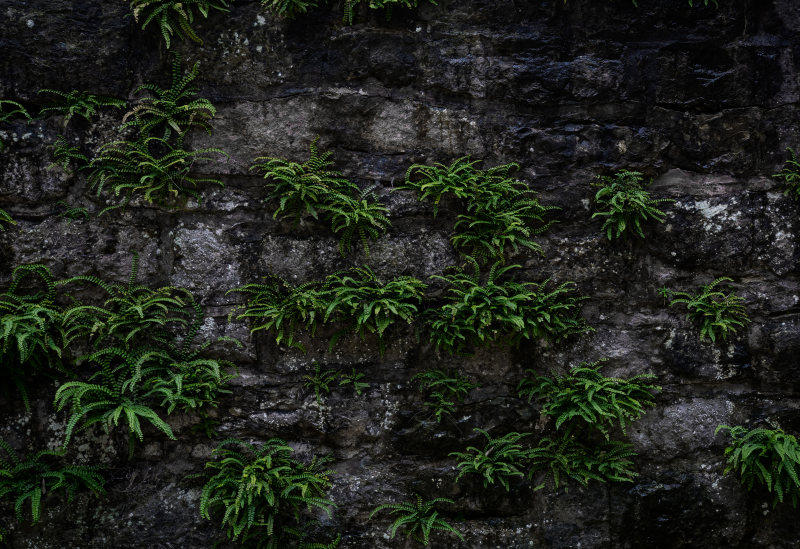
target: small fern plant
<point>499,461</point>
<point>64,154</point>
<point>289,8</point>
<point>78,103</point>
<point>29,479</point>
<point>718,313</point>
<point>261,493</point>
<point>5,218</point>
<point>479,314</point>
<point>791,176</point>
<point>418,518</point>
<point>320,381</point>
<point>388,5</point>
<point>439,180</point>
<point>175,17</point>
<point>176,108</point>
<point>444,390</point>
<point>624,204</point>
<point>767,457</point>
<point>72,213</point>
<point>151,168</point>
<point>587,395</point>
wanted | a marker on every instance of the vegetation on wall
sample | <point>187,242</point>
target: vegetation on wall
<point>624,204</point>
<point>790,174</point>
<point>78,103</point>
<point>175,17</point>
<point>418,519</point>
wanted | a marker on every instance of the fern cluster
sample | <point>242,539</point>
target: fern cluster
<point>314,189</point>
<point>418,518</point>
<point>477,314</point>
<point>78,103</point>
<point>175,17</point>
<point>587,395</point>
<point>142,357</point>
<point>717,312</point>
<point>30,478</point>
<point>768,457</point>
<point>263,494</point>
<point>292,8</point>
<point>791,175</point>
<point>64,154</point>
<point>354,300</point>
<point>321,381</point>
<point>501,214</point>
<point>625,204</point>
<point>159,169</point>
<point>444,390</point>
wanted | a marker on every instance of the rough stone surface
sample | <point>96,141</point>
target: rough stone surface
<point>702,100</point>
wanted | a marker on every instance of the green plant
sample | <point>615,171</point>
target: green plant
<point>791,175</point>
<point>33,332</point>
<point>355,299</point>
<point>8,110</point>
<point>418,518</point>
<point>625,204</point>
<point>768,457</point>
<point>289,8</point>
<point>717,312</point>
<point>477,314</point>
<point>367,305</point>
<point>5,218</point>
<point>175,17</point>
<point>278,305</point>
<point>458,179</point>
<point>262,489</point>
<point>72,213</point>
<point>586,394</point>
<point>353,378</point>
<point>32,477</point>
<point>500,460</point>
<point>64,154</point>
<point>175,108</point>
<point>151,167</point>
<point>320,381</point>
<point>445,390</point>
<point>79,103</point>
<point>362,216</point>
<point>566,458</point>
<point>303,189</point>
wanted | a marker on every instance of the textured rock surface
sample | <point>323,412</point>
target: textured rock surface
<point>703,100</point>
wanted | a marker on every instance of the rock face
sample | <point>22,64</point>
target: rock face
<point>700,99</point>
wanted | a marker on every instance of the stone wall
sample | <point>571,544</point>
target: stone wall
<point>702,100</point>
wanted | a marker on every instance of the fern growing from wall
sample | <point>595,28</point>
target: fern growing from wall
<point>176,108</point>
<point>766,457</point>
<point>499,461</point>
<point>418,518</point>
<point>78,103</point>
<point>5,218</point>
<point>175,17</point>
<point>261,493</point>
<point>289,8</point>
<point>625,205</point>
<point>717,312</point>
<point>790,174</point>
<point>65,154</point>
<point>477,314</point>
<point>152,169</point>
<point>444,390</point>
<point>26,480</point>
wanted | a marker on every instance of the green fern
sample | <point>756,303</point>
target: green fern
<point>72,213</point>
<point>459,179</point>
<point>362,216</point>
<point>176,108</point>
<point>289,8</point>
<point>353,378</point>
<point>175,17</point>
<point>297,189</point>
<point>388,5</point>
<point>64,154</point>
<point>444,390</point>
<point>151,168</point>
<point>320,381</point>
<point>30,478</point>
<point>78,103</point>
<point>791,175</point>
<point>260,492</point>
<point>585,394</point>
<point>625,204</point>
<point>418,518</point>
<point>717,312</point>
<point>501,460</point>
<point>481,314</point>
<point>5,218</point>
<point>768,457</point>
<point>565,458</point>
